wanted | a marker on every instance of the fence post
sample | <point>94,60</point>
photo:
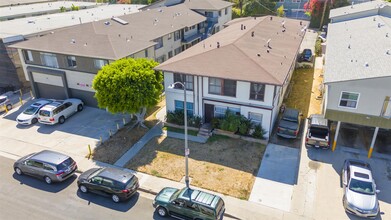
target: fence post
<point>89,151</point>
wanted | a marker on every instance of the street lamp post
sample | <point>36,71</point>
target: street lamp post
<point>186,145</point>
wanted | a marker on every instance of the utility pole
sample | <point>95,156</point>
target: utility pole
<point>324,11</point>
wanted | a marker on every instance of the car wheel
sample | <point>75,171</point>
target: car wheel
<point>9,107</point>
<point>34,120</point>
<point>80,108</point>
<point>83,188</point>
<point>18,171</point>
<point>115,198</point>
<point>61,120</point>
<point>162,211</point>
<point>47,180</point>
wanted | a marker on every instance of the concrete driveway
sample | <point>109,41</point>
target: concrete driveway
<point>73,137</point>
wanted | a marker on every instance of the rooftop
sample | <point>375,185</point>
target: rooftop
<point>356,8</point>
<point>358,49</point>
<point>254,49</point>
<point>116,174</point>
<point>45,23</point>
<point>20,2</point>
<point>211,5</point>
<point>38,8</point>
<point>108,39</point>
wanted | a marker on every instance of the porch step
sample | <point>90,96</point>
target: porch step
<point>205,130</point>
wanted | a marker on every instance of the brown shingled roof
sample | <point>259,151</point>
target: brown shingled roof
<point>115,41</point>
<point>241,56</point>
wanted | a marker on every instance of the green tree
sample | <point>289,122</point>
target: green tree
<point>128,86</point>
<point>258,7</point>
<point>280,11</point>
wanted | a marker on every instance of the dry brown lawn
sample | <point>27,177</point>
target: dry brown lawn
<point>113,148</point>
<point>223,164</point>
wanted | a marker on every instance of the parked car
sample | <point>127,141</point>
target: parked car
<point>360,194</point>
<point>188,204</point>
<point>289,125</point>
<point>58,111</point>
<point>318,132</point>
<point>118,184</point>
<point>306,56</point>
<point>5,103</point>
<point>30,115</point>
<point>49,165</point>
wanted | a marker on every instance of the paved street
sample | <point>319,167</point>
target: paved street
<point>23,197</point>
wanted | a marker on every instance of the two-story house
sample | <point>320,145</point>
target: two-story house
<point>245,68</point>
<point>217,12</point>
<point>357,75</point>
<point>64,63</point>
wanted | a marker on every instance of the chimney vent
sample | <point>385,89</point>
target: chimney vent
<point>252,34</point>
<point>218,44</point>
<point>241,27</point>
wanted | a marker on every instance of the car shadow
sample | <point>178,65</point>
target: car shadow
<point>156,216</point>
<point>353,217</point>
<point>41,185</point>
<point>107,202</point>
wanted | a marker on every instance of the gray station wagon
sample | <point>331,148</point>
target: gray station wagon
<point>49,165</point>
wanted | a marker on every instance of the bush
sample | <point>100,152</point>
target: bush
<point>195,121</point>
<point>178,117</point>
<point>245,125</point>
<point>318,47</point>
<point>215,123</point>
<point>259,132</point>
<point>230,122</point>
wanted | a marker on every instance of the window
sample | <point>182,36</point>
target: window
<point>206,210</point>
<point>222,87</point>
<point>161,59</point>
<point>178,50</point>
<point>159,42</point>
<point>226,11</point>
<point>48,167</point>
<point>220,111</point>
<point>386,110</point>
<point>100,63</point>
<point>180,107</point>
<point>220,13</point>
<point>209,14</point>
<point>71,61</point>
<point>170,54</point>
<point>184,79</point>
<point>28,56</point>
<point>177,35</point>
<point>349,99</point>
<point>146,53</point>
<point>49,60</point>
<point>169,36</point>
<point>256,118</point>
<point>257,91</point>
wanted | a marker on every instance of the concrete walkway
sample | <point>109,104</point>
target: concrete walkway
<point>276,177</point>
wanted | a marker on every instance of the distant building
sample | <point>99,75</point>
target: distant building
<point>294,8</point>
<point>245,68</point>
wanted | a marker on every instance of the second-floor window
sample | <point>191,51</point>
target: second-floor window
<point>28,56</point>
<point>178,50</point>
<point>170,54</point>
<point>159,42</point>
<point>257,91</point>
<point>226,11</point>
<point>209,14</point>
<point>146,53</point>
<point>49,59</point>
<point>71,61</point>
<point>189,80</point>
<point>161,59</point>
<point>100,63</point>
<point>177,35</point>
<point>169,36</point>
<point>223,87</point>
<point>349,99</point>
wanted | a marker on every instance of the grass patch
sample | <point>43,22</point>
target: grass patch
<point>217,137</point>
<point>180,130</point>
<point>301,88</point>
<point>212,166</point>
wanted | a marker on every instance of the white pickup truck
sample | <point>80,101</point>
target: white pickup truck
<point>318,132</point>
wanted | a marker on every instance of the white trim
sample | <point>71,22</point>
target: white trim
<point>358,99</point>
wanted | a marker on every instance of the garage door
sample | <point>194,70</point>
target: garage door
<point>50,91</point>
<point>85,96</point>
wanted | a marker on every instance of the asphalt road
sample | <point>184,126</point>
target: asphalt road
<point>24,197</point>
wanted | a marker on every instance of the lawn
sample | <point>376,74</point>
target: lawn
<point>301,89</point>
<point>113,148</point>
<point>223,165</point>
<point>180,130</point>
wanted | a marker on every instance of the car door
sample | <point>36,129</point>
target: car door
<point>177,208</point>
<point>34,168</point>
<point>107,187</point>
<point>95,184</point>
<point>192,210</point>
<point>68,109</point>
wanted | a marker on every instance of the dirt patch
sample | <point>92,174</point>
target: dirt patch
<point>113,148</point>
<point>224,165</point>
<point>314,165</point>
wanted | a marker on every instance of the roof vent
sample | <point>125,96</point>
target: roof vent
<point>252,34</point>
<point>349,46</point>
<point>271,18</point>
<point>374,18</point>
<point>268,43</point>
<point>301,23</point>
<point>366,64</point>
<point>386,34</point>
<point>73,41</point>
<point>241,27</point>
<point>85,44</point>
<point>119,20</point>
<point>218,44</point>
<point>388,52</point>
<point>268,51</point>
<point>258,54</point>
<point>107,22</point>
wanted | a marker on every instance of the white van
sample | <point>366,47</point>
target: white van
<point>58,111</point>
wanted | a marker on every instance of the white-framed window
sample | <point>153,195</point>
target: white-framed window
<point>386,110</point>
<point>49,59</point>
<point>257,91</point>
<point>28,56</point>
<point>349,99</point>
<point>221,110</point>
<point>179,106</point>
<point>146,52</point>
<point>178,50</point>
<point>71,61</point>
<point>256,118</point>
<point>169,36</point>
<point>224,87</point>
<point>100,63</point>
<point>161,59</point>
<point>188,79</point>
<point>159,42</point>
<point>177,35</point>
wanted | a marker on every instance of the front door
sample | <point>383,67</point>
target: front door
<point>209,112</point>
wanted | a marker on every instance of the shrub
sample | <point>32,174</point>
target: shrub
<point>318,47</point>
<point>245,125</point>
<point>215,123</point>
<point>178,117</point>
<point>195,121</point>
<point>259,132</point>
<point>230,122</point>
<point>63,9</point>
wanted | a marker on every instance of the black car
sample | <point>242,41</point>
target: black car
<point>306,56</point>
<point>118,184</point>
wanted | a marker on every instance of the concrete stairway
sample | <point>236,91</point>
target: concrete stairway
<point>205,131</point>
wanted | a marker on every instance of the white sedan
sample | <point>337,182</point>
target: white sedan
<point>30,115</point>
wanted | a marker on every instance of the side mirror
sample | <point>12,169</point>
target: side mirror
<point>89,180</point>
<point>377,191</point>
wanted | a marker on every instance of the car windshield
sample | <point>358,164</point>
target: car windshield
<point>65,164</point>
<point>2,100</point>
<point>30,110</point>
<point>175,195</point>
<point>44,113</point>
<point>361,187</point>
